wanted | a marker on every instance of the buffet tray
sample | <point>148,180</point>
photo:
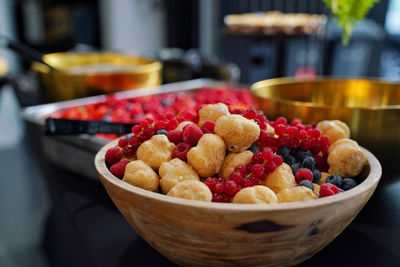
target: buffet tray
<point>76,152</point>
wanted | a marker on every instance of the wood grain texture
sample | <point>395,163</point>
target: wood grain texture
<point>195,233</point>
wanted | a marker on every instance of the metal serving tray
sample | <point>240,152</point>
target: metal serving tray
<point>76,152</point>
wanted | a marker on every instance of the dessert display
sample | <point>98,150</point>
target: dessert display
<point>136,109</point>
<point>275,23</point>
<point>224,153</point>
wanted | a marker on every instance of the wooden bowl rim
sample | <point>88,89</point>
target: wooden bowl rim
<point>320,79</point>
<point>370,181</point>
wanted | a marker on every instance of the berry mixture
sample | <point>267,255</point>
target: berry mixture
<point>234,148</point>
<point>135,110</point>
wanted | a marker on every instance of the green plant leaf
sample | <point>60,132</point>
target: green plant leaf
<point>348,12</point>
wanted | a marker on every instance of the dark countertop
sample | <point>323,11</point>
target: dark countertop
<point>83,228</point>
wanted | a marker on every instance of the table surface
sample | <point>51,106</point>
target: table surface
<point>83,227</point>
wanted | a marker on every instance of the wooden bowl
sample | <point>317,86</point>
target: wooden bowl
<point>198,233</point>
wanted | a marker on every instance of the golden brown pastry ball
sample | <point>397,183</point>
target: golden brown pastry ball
<point>238,132</point>
<point>317,187</point>
<point>298,193</point>
<point>345,158</point>
<point>255,195</point>
<point>280,179</point>
<point>191,189</point>
<point>232,160</point>
<point>212,112</point>
<point>207,157</point>
<point>156,151</point>
<point>139,174</point>
<point>334,129</point>
<point>174,172</point>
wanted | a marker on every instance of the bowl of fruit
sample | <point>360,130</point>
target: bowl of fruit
<point>220,185</point>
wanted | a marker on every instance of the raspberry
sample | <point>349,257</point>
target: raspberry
<point>247,183</point>
<point>291,131</point>
<point>278,160</point>
<point>250,114</point>
<point>321,163</point>
<point>328,189</point>
<point>123,142</point>
<point>118,169</point>
<point>293,142</point>
<point>231,188</point>
<point>136,129</point>
<point>241,169</point>
<point>134,141</point>
<point>270,166</point>
<point>281,120</point>
<point>219,187</point>
<point>236,176</point>
<point>255,180</point>
<point>180,151</point>
<point>211,182</point>
<point>128,152</point>
<point>173,123</point>
<point>226,198</point>
<point>303,174</point>
<point>208,127</point>
<point>263,138</point>
<point>175,136</point>
<point>315,133</point>
<point>144,124</point>
<point>192,134</point>
<point>257,158</point>
<point>257,170</point>
<point>113,155</point>
<point>280,129</point>
<point>217,198</point>
<point>306,144</point>
<point>295,122</point>
<point>159,125</point>
<point>267,155</point>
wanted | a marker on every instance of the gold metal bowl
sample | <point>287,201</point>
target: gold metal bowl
<point>85,74</point>
<point>371,108</point>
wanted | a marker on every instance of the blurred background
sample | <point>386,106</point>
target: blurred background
<point>192,41</point>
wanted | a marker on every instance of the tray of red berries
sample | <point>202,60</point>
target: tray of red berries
<point>76,152</point>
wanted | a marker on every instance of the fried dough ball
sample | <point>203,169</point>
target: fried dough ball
<point>174,172</point>
<point>207,157</point>
<point>237,131</point>
<point>156,151</point>
<point>191,189</point>
<point>280,179</point>
<point>324,175</point>
<point>139,174</point>
<point>298,193</point>
<point>232,160</point>
<point>345,158</point>
<point>212,112</point>
<point>334,129</point>
<point>183,124</point>
<point>255,195</point>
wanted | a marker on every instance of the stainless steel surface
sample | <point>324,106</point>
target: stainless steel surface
<point>76,153</point>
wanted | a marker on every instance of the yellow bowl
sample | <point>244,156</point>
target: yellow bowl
<point>371,108</point>
<point>85,74</point>
<point>196,233</point>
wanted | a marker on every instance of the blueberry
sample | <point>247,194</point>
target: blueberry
<point>301,154</point>
<point>307,184</point>
<point>308,163</point>
<point>288,159</point>
<point>348,184</point>
<point>335,180</point>
<point>254,148</point>
<point>164,132</point>
<point>295,167</point>
<point>294,151</point>
<point>316,175</point>
<point>283,150</point>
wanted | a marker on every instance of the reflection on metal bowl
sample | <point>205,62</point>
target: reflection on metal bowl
<point>85,74</point>
<point>371,108</point>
